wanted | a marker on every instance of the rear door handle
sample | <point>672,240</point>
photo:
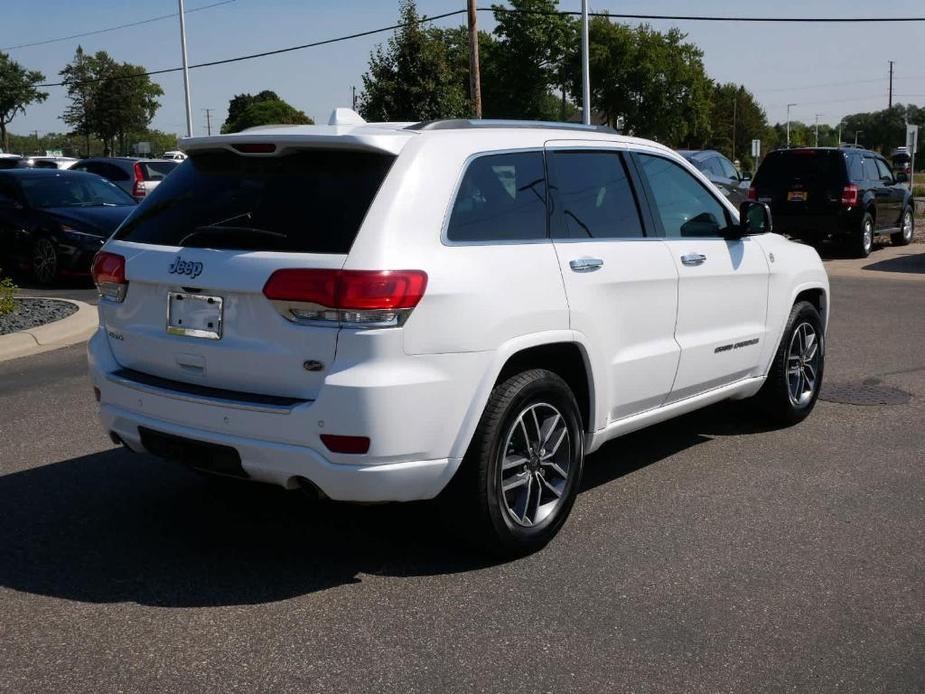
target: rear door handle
<point>693,259</point>
<point>586,264</point>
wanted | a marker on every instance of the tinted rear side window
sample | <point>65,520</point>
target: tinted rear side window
<point>157,170</point>
<point>310,202</point>
<point>502,197</point>
<point>806,166</point>
<point>595,197</point>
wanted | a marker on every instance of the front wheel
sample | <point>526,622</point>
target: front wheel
<point>903,237</point>
<point>790,392</point>
<point>44,261</point>
<point>520,476</point>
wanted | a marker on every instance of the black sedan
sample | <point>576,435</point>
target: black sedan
<point>53,222</point>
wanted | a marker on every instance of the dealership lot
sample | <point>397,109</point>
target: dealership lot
<point>705,554</point>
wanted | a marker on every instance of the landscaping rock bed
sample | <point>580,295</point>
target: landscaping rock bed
<point>31,313</point>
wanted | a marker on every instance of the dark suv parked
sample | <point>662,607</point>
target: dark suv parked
<point>843,194</point>
<point>721,172</point>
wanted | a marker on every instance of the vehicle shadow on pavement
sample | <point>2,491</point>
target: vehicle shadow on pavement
<point>912,263</point>
<point>115,526</point>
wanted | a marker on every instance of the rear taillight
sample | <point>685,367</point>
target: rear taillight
<point>108,272</point>
<point>849,195</point>
<point>362,298</point>
<point>752,193</point>
<point>138,189</point>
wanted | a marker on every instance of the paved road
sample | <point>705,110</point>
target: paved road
<point>704,555</point>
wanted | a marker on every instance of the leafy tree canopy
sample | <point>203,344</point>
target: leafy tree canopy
<point>17,91</point>
<point>268,111</point>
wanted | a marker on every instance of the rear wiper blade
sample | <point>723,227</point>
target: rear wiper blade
<point>221,229</point>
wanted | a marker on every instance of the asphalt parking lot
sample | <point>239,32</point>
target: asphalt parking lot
<point>706,554</point>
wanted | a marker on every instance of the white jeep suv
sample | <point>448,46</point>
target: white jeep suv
<point>391,312</point>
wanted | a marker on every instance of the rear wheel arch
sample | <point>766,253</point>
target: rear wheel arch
<point>565,359</point>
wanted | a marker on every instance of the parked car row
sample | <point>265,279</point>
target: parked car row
<point>55,212</point>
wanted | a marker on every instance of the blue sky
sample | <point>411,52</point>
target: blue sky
<point>824,69</point>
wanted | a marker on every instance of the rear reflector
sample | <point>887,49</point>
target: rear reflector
<point>364,297</point>
<point>752,193</point>
<point>256,148</point>
<point>108,271</point>
<point>356,445</point>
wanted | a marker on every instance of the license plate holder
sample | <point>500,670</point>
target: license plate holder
<point>194,315</point>
<point>797,196</point>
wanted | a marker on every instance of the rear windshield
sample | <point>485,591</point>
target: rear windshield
<point>157,170</point>
<point>806,166</point>
<point>310,202</point>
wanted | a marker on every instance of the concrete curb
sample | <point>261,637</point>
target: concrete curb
<point>77,327</point>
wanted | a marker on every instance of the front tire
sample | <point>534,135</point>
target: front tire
<point>790,392</point>
<point>903,237</point>
<point>44,261</point>
<point>520,476</point>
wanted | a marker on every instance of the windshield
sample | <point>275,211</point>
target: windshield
<point>72,190</point>
<point>309,202</point>
<point>157,170</point>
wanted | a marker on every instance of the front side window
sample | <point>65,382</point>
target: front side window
<point>729,171</point>
<point>595,196</point>
<point>685,208</point>
<point>502,197</point>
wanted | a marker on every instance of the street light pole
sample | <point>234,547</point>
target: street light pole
<point>475,80</point>
<point>788,123</point>
<point>189,109</point>
<point>817,129</point>
<point>585,67</point>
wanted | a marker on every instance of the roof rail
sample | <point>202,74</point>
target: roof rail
<point>464,124</point>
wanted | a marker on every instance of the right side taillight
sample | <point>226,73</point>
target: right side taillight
<point>108,272</point>
<point>849,195</point>
<point>356,298</point>
<point>752,193</point>
<point>138,189</point>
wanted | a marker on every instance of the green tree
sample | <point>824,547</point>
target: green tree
<point>272,112</point>
<point>736,113</point>
<point>655,81</point>
<point>108,99</point>
<point>412,77</point>
<point>17,90</point>
<point>882,130</point>
<point>527,60</point>
<point>240,102</point>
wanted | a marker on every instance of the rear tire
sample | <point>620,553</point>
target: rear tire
<point>45,261</point>
<point>521,473</point>
<point>790,392</point>
<point>903,237</point>
<point>862,241</point>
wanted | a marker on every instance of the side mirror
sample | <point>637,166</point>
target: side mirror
<point>746,175</point>
<point>754,218</point>
<point>901,177</point>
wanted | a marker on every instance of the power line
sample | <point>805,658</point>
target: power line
<point>454,13</point>
<point>116,28</point>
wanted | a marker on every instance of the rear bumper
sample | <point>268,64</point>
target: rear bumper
<point>284,464</point>
<point>818,227</point>
<point>412,409</point>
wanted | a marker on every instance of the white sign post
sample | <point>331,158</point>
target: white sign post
<point>756,151</point>
<point>912,140</point>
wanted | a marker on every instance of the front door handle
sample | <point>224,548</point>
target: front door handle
<point>693,259</point>
<point>586,264</point>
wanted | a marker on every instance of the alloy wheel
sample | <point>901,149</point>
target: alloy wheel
<point>44,261</point>
<point>907,226</point>
<point>803,364</point>
<point>868,235</point>
<point>536,465</point>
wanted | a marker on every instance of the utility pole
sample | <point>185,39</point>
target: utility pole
<point>788,123</point>
<point>890,102</point>
<point>353,97</point>
<point>189,109</point>
<point>475,79</point>
<point>817,129</point>
<point>208,120</point>
<point>585,67</point>
<point>735,105</point>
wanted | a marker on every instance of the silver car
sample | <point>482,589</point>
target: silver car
<point>137,177</point>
